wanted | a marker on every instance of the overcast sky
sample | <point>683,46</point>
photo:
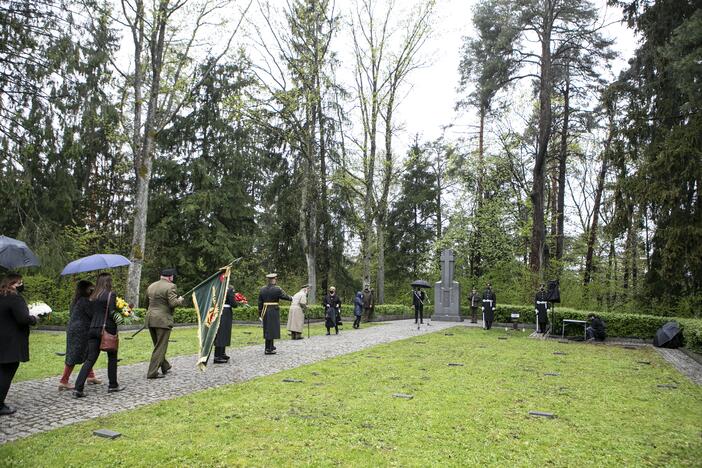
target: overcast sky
<point>429,104</point>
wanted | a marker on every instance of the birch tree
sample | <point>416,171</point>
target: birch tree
<point>168,37</point>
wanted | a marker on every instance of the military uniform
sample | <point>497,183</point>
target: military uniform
<point>268,311</point>
<point>163,299</point>
<point>541,310</point>
<point>489,304</point>
<point>224,332</point>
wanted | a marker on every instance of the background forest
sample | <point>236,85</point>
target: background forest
<point>189,133</point>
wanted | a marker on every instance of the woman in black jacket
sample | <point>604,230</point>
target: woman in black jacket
<point>14,334</point>
<point>77,334</point>
<point>102,310</point>
<point>332,310</point>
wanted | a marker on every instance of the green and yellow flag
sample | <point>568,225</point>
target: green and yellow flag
<point>208,299</point>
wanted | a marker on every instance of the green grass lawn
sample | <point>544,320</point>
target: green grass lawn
<point>610,412</point>
<point>43,346</point>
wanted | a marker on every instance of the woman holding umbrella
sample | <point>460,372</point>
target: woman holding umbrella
<point>14,334</point>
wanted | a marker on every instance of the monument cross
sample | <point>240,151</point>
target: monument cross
<point>447,292</point>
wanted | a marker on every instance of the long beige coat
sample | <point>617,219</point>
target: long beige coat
<point>296,316</point>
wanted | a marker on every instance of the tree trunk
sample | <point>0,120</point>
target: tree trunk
<point>592,232</point>
<point>536,250</point>
<point>562,160</point>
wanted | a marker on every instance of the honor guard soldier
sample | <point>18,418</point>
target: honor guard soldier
<point>268,311</point>
<point>541,309</point>
<point>489,304</point>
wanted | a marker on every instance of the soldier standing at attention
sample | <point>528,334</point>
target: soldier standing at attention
<point>541,309</point>
<point>489,303</point>
<point>475,299</point>
<point>268,311</point>
<point>163,299</point>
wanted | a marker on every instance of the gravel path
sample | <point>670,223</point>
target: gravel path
<point>41,407</point>
<point>684,363</point>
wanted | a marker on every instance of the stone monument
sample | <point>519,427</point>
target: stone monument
<point>447,292</point>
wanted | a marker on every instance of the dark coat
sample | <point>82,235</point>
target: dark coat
<point>489,304</point>
<point>271,319</point>
<point>358,304</point>
<point>541,306</point>
<point>14,329</point>
<point>598,328</point>
<point>77,332</point>
<point>418,299</point>
<point>97,310</point>
<point>332,309</point>
<point>224,332</point>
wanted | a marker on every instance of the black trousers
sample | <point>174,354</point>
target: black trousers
<point>7,373</point>
<point>93,354</point>
<point>357,322</point>
<point>219,351</point>
<point>419,312</point>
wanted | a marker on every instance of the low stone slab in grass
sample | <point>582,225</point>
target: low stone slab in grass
<point>542,414</point>
<point>106,433</point>
<point>406,396</point>
<point>671,386</point>
<point>564,341</point>
<point>448,334</point>
<point>648,363</point>
<point>289,380</point>
<point>559,353</point>
<point>552,374</point>
<point>501,337</point>
<point>455,364</point>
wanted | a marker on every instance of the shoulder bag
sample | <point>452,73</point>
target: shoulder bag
<point>108,341</point>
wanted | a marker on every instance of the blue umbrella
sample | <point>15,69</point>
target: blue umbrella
<point>95,262</point>
<point>14,254</point>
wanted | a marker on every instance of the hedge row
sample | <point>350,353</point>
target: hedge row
<point>618,324</point>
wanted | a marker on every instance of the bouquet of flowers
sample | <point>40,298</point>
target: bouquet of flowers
<point>122,312</point>
<point>124,308</point>
<point>241,300</point>
<point>37,309</point>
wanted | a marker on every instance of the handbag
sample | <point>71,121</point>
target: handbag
<point>108,341</point>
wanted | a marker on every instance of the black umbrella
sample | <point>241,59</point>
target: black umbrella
<point>15,254</point>
<point>420,283</point>
<point>668,336</point>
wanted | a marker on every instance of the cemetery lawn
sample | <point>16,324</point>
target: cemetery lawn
<point>608,406</point>
<point>43,346</point>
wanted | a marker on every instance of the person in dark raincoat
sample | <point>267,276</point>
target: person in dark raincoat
<point>474,299</point>
<point>418,299</point>
<point>332,310</point>
<point>596,329</point>
<point>489,304</point>
<point>358,309</point>
<point>268,311</point>
<point>541,309</point>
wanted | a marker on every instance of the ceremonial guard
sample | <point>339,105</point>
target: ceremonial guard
<point>332,310</point>
<point>296,315</point>
<point>474,301</point>
<point>541,309</point>
<point>268,311</point>
<point>163,299</point>
<point>489,304</point>
<point>418,298</point>
<point>224,332</point>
